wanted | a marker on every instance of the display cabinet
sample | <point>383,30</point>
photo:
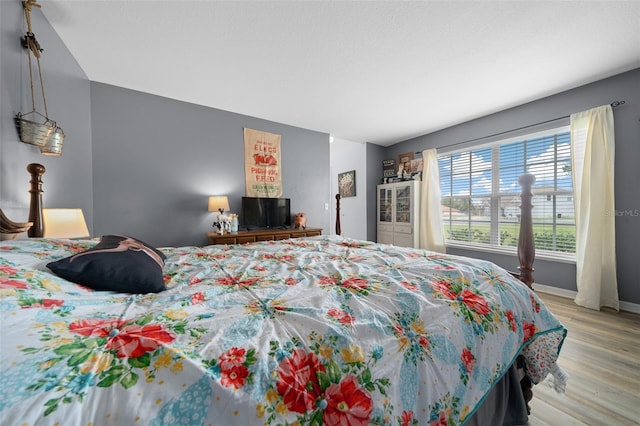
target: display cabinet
<point>398,213</point>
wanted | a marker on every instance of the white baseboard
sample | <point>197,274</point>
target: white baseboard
<point>570,294</point>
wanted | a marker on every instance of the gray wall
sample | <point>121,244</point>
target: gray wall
<point>375,155</point>
<point>156,161</point>
<point>626,87</point>
<point>68,178</point>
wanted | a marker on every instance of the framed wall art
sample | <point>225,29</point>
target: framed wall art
<point>405,161</point>
<point>347,184</point>
<point>416,166</point>
<point>389,168</point>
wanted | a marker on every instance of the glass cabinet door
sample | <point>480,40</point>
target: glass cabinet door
<point>386,204</point>
<point>403,204</point>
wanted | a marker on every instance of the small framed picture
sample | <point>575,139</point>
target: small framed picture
<point>416,166</point>
<point>347,184</point>
<point>389,168</point>
<point>404,160</point>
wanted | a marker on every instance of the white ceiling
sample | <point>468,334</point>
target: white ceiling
<point>363,71</point>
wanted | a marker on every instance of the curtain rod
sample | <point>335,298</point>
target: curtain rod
<point>613,105</point>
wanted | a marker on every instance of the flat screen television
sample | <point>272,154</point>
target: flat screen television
<point>263,213</point>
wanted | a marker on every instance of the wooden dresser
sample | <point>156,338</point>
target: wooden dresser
<point>242,237</point>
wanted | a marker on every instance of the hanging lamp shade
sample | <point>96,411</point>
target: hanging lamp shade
<point>53,146</point>
<point>47,136</point>
<point>39,129</point>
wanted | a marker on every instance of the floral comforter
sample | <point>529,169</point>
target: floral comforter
<point>322,330</point>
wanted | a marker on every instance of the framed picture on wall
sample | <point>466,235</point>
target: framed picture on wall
<point>389,168</point>
<point>416,166</point>
<point>405,161</point>
<point>347,184</point>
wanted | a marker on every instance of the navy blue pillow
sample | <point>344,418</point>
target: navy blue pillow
<point>117,263</point>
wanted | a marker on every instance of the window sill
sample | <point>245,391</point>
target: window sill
<point>512,251</point>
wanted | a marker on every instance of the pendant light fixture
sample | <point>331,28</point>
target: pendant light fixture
<point>48,136</point>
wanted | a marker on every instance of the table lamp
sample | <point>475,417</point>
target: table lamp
<point>64,223</point>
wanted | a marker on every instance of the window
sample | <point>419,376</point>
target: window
<point>481,194</point>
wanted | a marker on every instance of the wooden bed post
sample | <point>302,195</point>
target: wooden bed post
<point>338,228</point>
<point>526,256</point>
<point>526,246</point>
<point>35,205</point>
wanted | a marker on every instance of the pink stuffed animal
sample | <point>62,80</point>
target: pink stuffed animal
<point>300,221</point>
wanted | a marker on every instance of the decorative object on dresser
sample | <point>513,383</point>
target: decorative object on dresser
<point>233,222</point>
<point>300,220</point>
<point>242,237</point>
<point>219,203</point>
<point>64,223</point>
<point>47,136</point>
<point>398,208</point>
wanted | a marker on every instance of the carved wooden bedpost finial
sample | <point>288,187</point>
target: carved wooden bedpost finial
<point>338,228</point>
<point>35,206</point>
<point>526,249</point>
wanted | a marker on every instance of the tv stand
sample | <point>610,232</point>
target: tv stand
<point>242,237</point>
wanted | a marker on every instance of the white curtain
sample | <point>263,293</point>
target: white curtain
<point>592,165</point>
<point>431,232</point>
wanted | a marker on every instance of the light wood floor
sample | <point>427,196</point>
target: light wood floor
<point>602,356</point>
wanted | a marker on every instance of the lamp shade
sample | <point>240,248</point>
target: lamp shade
<point>64,223</point>
<point>218,203</point>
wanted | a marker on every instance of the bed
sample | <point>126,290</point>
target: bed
<point>319,330</point>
